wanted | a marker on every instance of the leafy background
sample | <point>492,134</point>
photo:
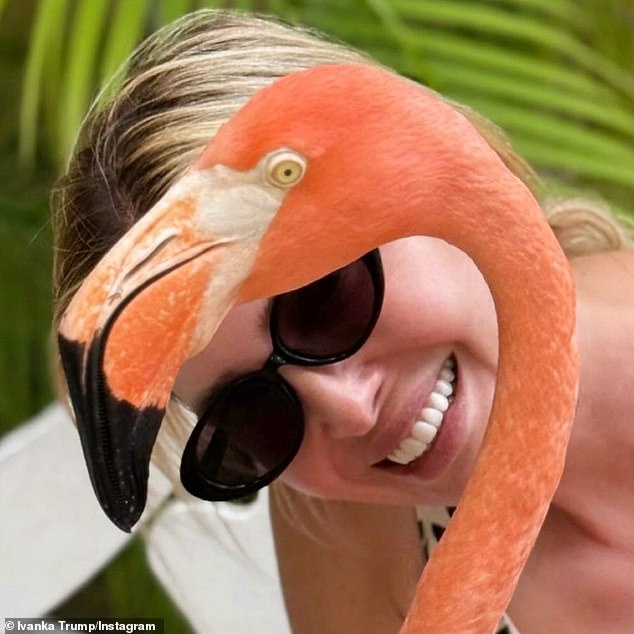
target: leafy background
<point>556,74</point>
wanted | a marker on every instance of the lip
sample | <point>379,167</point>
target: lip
<point>445,447</point>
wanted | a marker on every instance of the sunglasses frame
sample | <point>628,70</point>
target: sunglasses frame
<point>190,474</point>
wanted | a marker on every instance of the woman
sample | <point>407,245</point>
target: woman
<point>400,421</point>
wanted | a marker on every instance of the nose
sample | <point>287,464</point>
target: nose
<point>342,398</point>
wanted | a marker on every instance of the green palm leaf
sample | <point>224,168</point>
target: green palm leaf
<point>531,65</point>
<point>487,21</point>
<point>171,9</point>
<point>43,59</point>
<point>126,29</point>
<point>84,37</point>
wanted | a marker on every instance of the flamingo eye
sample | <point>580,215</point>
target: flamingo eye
<point>285,168</point>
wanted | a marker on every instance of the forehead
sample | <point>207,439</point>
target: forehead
<point>239,346</point>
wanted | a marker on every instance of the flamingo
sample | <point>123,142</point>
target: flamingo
<point>333,162</point>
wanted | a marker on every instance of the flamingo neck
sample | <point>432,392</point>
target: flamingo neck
<point>413,166</point>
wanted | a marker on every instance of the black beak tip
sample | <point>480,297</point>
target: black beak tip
<point>120,468</point>
<point>124,518</point>
<point>121,490</point>
<point>117,437</point>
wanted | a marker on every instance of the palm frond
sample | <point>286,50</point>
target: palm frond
<point>402,37</point>
<point>85,35</point>
<point>43,55</point>
<point>169,10</point>
<point>543,69</point>
<point>485,21</point>
<point>126,29</point>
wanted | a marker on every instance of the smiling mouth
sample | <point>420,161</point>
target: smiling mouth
<point>425,428</point>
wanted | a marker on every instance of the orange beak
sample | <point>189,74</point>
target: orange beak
<point>141,313</point>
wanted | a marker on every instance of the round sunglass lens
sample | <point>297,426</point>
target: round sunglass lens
<point>255,428</point>
<point>330,316</point>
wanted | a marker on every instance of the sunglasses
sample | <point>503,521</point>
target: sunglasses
<point>253,426</point>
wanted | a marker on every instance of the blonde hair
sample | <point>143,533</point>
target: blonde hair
<point>159,113</point>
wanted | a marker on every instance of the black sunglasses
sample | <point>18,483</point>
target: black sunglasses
<point>253,426</point>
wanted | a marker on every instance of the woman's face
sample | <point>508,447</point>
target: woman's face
<point>360,410</point>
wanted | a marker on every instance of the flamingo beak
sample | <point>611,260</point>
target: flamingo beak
<point>153,301</point>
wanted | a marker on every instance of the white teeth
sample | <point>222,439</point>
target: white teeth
<point>447,375</point>
<point>438,401</point>
<point>413,445</point>
<point>443,387</point>
<point>394,457</point>
<point>431,415</point>
<point>424,430</point>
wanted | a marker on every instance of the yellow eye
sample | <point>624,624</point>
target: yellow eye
<point>285,168</point>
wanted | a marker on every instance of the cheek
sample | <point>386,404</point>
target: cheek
<point>312,471</point>
<point>238,347</point>
<point>435,294</point>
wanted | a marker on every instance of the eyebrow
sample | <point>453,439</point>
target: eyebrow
<point>226,377</point>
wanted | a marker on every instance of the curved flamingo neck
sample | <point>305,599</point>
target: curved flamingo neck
<point>522,456</point>
<point>407,165</point>
<point>470,578</point>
